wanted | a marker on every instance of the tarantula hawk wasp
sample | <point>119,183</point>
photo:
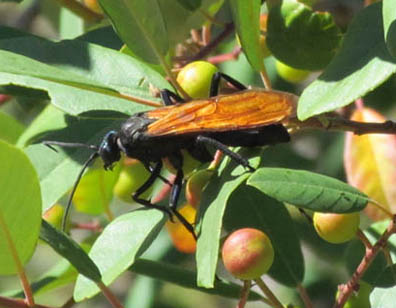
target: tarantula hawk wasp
<point>247,118</point>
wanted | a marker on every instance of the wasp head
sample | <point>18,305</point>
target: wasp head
<point>109,150</point>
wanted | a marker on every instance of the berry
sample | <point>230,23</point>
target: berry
<point>54,215</point>
<point>93,5</point>
<point>248,253</point>
<point>196,184</point>
<point>336,228</point>
<point>196,77</point>
<point>182,239</point>
<point>290,74</point>
<point>132,176</point>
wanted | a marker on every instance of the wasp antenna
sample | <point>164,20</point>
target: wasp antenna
<point>69,145</point>
<point>68,206</point>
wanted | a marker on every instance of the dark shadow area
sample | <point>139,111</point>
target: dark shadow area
<point>105,37</point>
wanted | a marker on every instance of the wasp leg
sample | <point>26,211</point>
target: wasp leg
<point>222,147</point>
<point>177,162</point>
<point>214,86</point>
<point>150,169</point>
<point>146,185</point>
<point>167,96</point>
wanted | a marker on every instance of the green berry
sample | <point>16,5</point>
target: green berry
<point>196,77</point>
<point>290,74</point>
<point>131,177</point>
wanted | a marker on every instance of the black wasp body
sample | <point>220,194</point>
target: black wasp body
<point>246,118</point>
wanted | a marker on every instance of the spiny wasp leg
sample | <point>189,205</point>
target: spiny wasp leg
<point>222,147</point>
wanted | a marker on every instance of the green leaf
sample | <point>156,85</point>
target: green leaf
<point>49,119</point>
<point>117,248</point>
<point>104,36</point>
<point>358,68</point>
<point>10,128</point>
<point>78,76</point>
<point>58,171</point>
<point>20,208</point>
<point>8,32</point>
<point>300,37</point>
<point>213,206</point>
<point>211,212</point>
<point>389,15</point>
<point>190,5</point>
<point>95,190</point>
<point>249,208</point>
<point>70,25</point>
<point>59,275</point>
<point>186,278</point>
<point>141,26</point>
<point>70,250</point>
<point>143,292</point>
<point>387,278</point>
<point>308,190</point>
<point>246,16</point>
<point>381,298</point>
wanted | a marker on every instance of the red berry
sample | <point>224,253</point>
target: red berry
<point>248,253</point>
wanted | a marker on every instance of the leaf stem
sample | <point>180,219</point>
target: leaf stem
<point>382,208</point>
<point>265,79</point>
<point>81,10</point>
<point>271,296</point>
<point>244,293</point>
<point>140,100</point>
<point>304,296</point>
<point>109,295</point>
<point>364,239</point>
<point>21,271</point>
<point>346,290</point>
<point>173,79</point>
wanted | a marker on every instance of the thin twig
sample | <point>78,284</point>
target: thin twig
<point>304,296</point>
<point>213,44</point>
<point>271,296</point>
<point>334,123</point>
<point>109,295</point>
<point>346,290</point>
<point>266,80</point>
<point>18,264</point>
<point>244,293</point>
<point>364,239</point>
<point>231,56</point>
<point>17,303</point>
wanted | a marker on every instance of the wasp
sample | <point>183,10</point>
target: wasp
<point>247,118</point>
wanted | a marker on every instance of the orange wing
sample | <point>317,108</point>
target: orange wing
<point>241,110</point>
